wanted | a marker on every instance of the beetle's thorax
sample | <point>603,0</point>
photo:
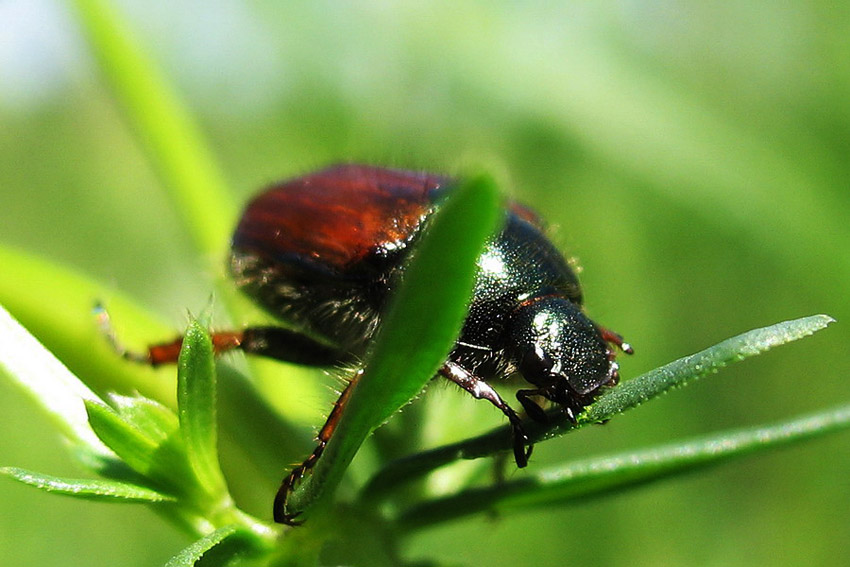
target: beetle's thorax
<point>522,280</point>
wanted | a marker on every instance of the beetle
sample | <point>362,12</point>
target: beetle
<point>323,253</point>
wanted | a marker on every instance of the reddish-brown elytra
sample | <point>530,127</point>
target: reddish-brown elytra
<point>324,252</point>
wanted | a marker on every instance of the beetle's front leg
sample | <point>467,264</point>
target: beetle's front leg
<point>482,390</point>
<point>531,407</point>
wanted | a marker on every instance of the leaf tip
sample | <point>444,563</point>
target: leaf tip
<point>827,319</point>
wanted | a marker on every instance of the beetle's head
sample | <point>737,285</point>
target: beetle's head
<point>561,351</point>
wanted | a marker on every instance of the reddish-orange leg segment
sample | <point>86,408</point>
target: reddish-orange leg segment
<point>325,434</point>
<point>272,342</point>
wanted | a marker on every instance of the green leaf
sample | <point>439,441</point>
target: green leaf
<point>165,128</point>
<point>627,395</point>
<point>196,402</point>
<point>647,386</point>
<point>148,417</point>
<point>606,475</point>
<point>48,382</point>
<point>102,490</point>
<point>192,554</point>
<point>418,330</point>
<point>146,436</point>
<point>134,445</point>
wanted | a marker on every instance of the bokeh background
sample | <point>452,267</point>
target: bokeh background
<point>694,157</point>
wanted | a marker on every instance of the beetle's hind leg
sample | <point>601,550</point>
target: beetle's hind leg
<point>281,516</point>
<point>272,342</point>
<point>482,390</point>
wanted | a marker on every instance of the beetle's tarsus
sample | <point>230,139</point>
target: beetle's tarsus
<point>531,407</point>
<point>104,323</point>
<point>288,484</point>
<point>279,509</point>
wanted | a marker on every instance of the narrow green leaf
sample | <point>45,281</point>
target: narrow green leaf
<point>166,130</point>
<point>196,402</point>
<point>629,394</point>
<point>192,554</point>
<point>132,445</point>
<point>149,418</point>
<point>90,489</point>
<point>418,331</point>
<point>605,475</point>
<point>59,393</point>
<point>157,453</point>
<point>634,392</point>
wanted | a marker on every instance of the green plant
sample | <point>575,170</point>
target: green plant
<point>167,459</point>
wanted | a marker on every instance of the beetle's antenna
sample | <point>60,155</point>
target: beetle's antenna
<point>104,323</point>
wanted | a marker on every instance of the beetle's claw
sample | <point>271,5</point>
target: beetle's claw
<point>520,455</point>
<point>280,514</point>
<point>279,507</point>
<point>531,407</point>
<point>288,519</point>
<point>522,446</point>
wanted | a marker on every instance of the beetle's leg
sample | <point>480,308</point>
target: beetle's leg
<point>288,346</point>
<point>288,484</point>
<point>272,342</point>
<point>482,390</point>
<point>531,407</point>
<point>615,339</point>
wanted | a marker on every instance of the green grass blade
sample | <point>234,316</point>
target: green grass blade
<point>66,326</point>
<point>196,402</point>
<point>46,380</point>
<point>165,128</point>
<point>606,475</point>
<point>89,489</point>
<point>418,330</point>
<point>627,395</point>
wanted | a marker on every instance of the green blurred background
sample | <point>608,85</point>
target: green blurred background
<point>694,158</point>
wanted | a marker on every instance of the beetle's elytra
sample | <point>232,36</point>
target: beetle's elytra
<point>323,253</point>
